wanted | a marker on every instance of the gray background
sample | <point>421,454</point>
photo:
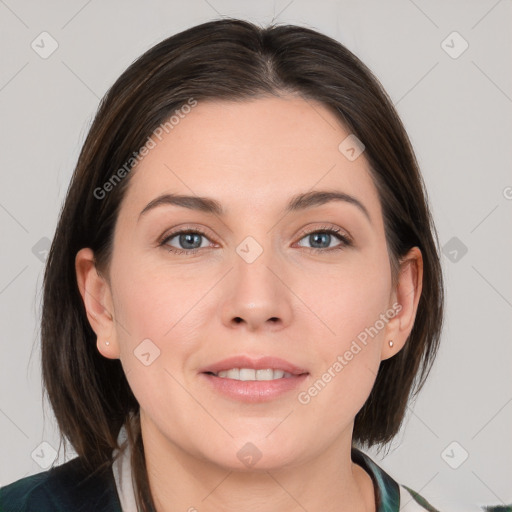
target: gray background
<point>457,108</point>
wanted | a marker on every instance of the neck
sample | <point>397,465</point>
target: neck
<point>180,480</point>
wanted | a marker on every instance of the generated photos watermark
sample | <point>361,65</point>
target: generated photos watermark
<point>341,361</point>
<point>137,156</point>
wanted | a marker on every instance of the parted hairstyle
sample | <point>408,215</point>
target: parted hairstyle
<point>233,60</point>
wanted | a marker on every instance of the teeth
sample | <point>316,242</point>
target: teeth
<point>278,374</point>
<point>247,374</point>
<point>267,374</point>
<point>250,374</point>
<point>234,373</point>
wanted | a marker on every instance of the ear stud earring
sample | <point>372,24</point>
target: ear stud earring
<point>390,343</point>
<point>107,343</point>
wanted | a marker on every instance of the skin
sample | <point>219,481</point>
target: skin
<point>252,157</point>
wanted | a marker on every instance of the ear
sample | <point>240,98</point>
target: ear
<point>97,298</point>
<point>405,299</point>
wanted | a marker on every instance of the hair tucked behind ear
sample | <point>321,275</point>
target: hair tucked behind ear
<point>225,60</point>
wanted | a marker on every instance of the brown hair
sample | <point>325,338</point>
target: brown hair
<point>227,59</point>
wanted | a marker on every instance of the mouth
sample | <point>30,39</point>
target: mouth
<point>253,380</point>
<point>245,374</point>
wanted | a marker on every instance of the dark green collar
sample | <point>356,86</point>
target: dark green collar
<point>71,486</point>
<point>387,491</point>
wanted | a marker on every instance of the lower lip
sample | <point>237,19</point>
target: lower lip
<point>254,391</point>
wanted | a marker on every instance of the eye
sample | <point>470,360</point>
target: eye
<point>189,241</point>
<point>320,239</point>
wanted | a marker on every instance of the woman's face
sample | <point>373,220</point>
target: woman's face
<point>251,282</point>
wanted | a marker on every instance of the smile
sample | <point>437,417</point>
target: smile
<point>252,374</point>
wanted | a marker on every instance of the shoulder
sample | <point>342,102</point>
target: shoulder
<point>64,488</point>
<point>390,496</point>
<point>394,497</point>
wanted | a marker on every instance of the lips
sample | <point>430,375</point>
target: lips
<point>263,363</point>
<point>253,391</point>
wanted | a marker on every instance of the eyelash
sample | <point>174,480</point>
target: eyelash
<point>346,241</point>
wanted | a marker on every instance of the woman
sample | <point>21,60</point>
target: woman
<point>244,287</point>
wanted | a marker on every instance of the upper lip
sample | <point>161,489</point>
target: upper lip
<point>262,363</point>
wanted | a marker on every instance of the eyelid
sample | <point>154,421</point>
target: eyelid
<point>327,227</point>
<point>183,228</point>
<point>344,237</point>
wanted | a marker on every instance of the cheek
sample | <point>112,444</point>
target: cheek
<point>353,305</point>
<point>163,313</point>
<point>157,332</point>
<point>350,299</point>
<point>154,301</point>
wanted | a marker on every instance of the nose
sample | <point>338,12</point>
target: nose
<point>256,296</point>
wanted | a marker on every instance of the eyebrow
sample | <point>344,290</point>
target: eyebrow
<point>297,203</point>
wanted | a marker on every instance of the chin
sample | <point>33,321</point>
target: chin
<point>254,455</point>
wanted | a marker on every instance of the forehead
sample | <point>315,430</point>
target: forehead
<point>254,154</point>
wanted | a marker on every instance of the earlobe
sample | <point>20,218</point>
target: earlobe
<point>407,294</point>
<point>97,299</point>
<point>107,349</point>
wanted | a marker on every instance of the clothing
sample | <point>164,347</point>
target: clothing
<point>70,488</point>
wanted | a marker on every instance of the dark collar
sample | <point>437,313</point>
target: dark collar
<point>387,491</point>
<point>72,487</point>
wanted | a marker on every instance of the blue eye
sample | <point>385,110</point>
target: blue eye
<point>325,237</point>
<point>190,241</point>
